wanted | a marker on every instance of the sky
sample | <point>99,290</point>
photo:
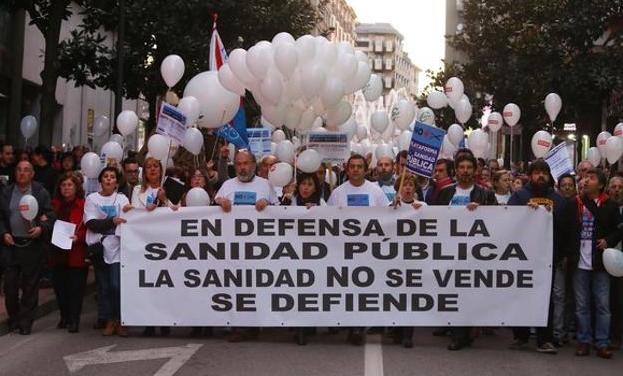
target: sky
<point>421,22</point>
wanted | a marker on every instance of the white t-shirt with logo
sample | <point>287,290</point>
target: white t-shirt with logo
<point>97,206</point>
<point>389,191</point>
<point>367,194</point>
<point>140,199</point>
<point>502,199</point>
<point>586,240</point>
<point>461,196</point>
<point>240,193</point>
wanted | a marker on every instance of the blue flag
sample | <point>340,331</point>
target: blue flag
<point>235,131</point>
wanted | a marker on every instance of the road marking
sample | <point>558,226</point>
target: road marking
<point>373,356</point>
<point>102,355</point>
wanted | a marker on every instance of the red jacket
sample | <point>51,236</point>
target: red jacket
<point>75,257</point>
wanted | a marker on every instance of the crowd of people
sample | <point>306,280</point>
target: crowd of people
<point>585,305</point>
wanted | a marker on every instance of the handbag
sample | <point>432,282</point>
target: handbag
<point>95,251</point>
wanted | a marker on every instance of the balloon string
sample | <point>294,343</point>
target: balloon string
<point>214,147</point>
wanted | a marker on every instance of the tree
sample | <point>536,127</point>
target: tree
<point>157,28</point>
<point>519,51</point>
<point>47,16</point>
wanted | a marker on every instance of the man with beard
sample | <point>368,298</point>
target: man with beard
<point>536,193</point>
<point>615,192</point>
<point>464,193</point>
<point>385,174</point>
<point>593,225</point>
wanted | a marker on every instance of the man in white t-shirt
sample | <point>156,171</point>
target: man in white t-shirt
<point>246,188</point>
<point>357,191</point>
<point>386,178</point>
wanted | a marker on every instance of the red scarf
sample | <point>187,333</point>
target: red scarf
<point>600,201</point>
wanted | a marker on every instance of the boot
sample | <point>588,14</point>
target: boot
<point>109,330</point>
<point>122,331</point>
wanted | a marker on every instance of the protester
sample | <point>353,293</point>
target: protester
<point>102,212</point>
<point>517,183</point>
<point>502,186</point>
<point>385,176</point>
<point>265,164</point>
<point>400,162</point>
<point>44,173</point>
<point>539,192</point>
<point>593,225</point>
<point>357,191</point>
<point>581,171</point>
<point>198,178</point>
<point>325,187</point>
<point>464,193</point>
<point>130,177</point>
<point>442,178</point>
<point>567,186</point>
<point>615,192</point>
<point>7,164</point>
<point>68,266</point>
<point>23,255</point>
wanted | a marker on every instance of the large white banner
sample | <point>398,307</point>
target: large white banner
<point>290,266</point>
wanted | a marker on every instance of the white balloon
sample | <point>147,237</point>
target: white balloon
<point>112,150</point>
<point>553,104</point>
<point>172,70</point>
<point>28,207</point>
<point>346,66</point>
<point>101,125</point>
<point>362,131</point>
<point>197,197</point>
<point>618,130</point>
<point>307,120</point>
<point>541,143</point>
<point>403,114</point>
<point>218,105</point>
<point>404,141</point>
<point>373,90</point>
<point>463,111</point>
<point>286,59</point>
<point>273,147</point>
<point>28,126</point>
<point>448,148</point>
<point>361,56</point>
<point>511,114</point>
<point>614,149</point>
<point>259,59</point>
<point>602,137</point>
<point>309,161</point>
<point>379,121</point>
<point>278,136</point>
<point>280,174</point>
<point>613,262</point>
<point>477,142</point>
<point>426,115</point>
<point>495,121</point>
<point>437,100</point>
<point>594,156</point>
<point>228,79</point>
<point>272,87</point>
<point>91,164</point>
<point>158,146</point>
<point>282,37</point>
<point>325,50</point>
<point>127,121</point>
<point>293,117</point>
<point>318,122</point>
<point>238,64</point>
<point>454,89</point>
<point>384,150</point>
<point>190,107</point>
<point>360,79</point>
<point>349,127</point>
<point>332,92</point>
<point>313,79</point>
<point>193,140</point>
<point>276,115</point>
<point>116,137</point>
<point>455,134</point>
<point>339,114</point>
<point>305,47</point>
<point>285,151</point>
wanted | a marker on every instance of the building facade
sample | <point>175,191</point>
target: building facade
<point>383,45</point>
<point>337,20</point>
<point>21,63</point>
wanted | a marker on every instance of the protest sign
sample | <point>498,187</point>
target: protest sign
<point>424,149</point>
<point>332,146</point>
<point>559,161</point>
<point>171,123</point>
<point>292,266</point>
<point>259,141</point>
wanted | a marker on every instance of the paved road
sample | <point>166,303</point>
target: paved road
<point>45,353</point>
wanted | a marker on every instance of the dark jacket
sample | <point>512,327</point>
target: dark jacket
<point>45,208</point>
<point>550,197</point>
<point>607,220</point>
<point>479,195</point>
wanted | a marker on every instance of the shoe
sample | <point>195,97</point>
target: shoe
<point>407,343</point>
<point>109,330</point>
<point>149,331</point>
<point>73,328</point>
<point>582,349</point>
<point>165,331</point>
<point>547,348</point>
<point>355,338</point>
<point>519,344</point>
<point>458,345</point>
<point>121,330</point>
<point>25,331</point>
<point>62,324</point>
<point>604,353</point>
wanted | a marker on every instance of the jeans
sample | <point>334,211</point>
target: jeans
<point>558,299</point>
<point>595,286</point>
<point>108,291</point>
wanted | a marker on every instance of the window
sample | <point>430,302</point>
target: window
<point>388,82</point>
<point>378,45</point>
<point>389,64</point>
<point>363,44</point>
<point>389,46</point>
<point>378,64</point>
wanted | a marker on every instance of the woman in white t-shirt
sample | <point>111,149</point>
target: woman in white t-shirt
<point>408,192</point>
<point>502,186</point>
<point>101,216</point>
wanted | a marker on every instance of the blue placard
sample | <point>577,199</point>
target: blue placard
<point>245,198</point>
<point>359,199</point>
<point>424,149</point>
<point>259,140</point>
